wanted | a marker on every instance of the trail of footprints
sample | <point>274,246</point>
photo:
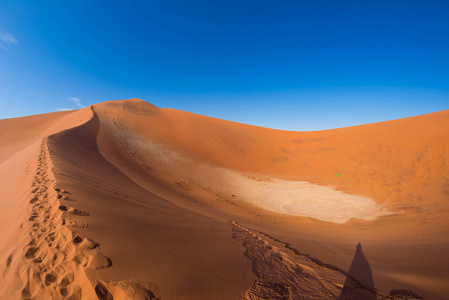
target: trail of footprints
<point>284,273</point>
<point>55,257</point>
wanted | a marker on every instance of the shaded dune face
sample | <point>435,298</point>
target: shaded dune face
<point>152,243</point>
<point>125,200</point>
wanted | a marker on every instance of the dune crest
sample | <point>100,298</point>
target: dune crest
<point>51,263</point>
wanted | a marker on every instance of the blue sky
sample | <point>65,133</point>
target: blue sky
<point>295,65</point>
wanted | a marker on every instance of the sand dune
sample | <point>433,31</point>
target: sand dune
<point>126,200</point>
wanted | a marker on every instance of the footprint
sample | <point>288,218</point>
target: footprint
<point>8,261</point>
<point>100,262</point>
<point>93,244</point>
<point>63,291</point>
<point>80,212</point>
<point>31,253</point>
<point>57,258</point>
<point>74,211</point>
<point>102,292</point>
<point>50,278</point>
<point>26,294</point>
<point>8,264</point>
<point>77,240</point>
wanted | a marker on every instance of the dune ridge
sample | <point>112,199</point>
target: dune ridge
<point>92,258</point>
<point>51,262</point>
<point>50,259</point>
<point>125,200</point>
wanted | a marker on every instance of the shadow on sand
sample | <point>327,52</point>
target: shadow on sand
<point>359,284</point>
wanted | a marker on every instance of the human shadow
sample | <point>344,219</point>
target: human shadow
<point>359,284</point>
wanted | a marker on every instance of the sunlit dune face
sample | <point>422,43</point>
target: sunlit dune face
<point>298,198</point>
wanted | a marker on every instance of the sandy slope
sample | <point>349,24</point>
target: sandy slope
<point>134,201</point>
<point>32,240</point>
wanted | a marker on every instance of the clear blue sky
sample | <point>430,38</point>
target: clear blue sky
<point>296,65</point>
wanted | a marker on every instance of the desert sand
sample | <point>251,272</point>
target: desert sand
<point>125,200</point>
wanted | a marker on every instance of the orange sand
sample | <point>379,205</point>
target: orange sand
<point>128,200</point>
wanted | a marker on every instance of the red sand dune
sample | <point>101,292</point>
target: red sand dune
<point>126,200</point>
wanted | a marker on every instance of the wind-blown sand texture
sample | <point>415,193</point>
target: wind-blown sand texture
<point>124,200</point>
